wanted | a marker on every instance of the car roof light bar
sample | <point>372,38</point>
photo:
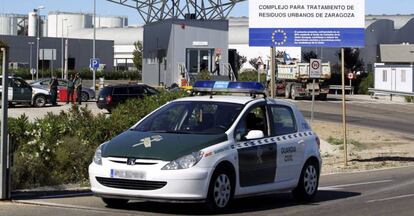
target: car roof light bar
<point>252,88</point>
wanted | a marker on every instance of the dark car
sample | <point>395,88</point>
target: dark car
<point>111,96</point>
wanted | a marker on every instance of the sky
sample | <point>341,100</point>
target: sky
<point>108,8</point>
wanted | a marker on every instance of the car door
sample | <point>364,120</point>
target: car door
<point>21,90</point>
<point>257,158</point>
<point>290,145</point>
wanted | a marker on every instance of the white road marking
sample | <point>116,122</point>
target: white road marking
<point>391,198</point>
<point>338,187</point>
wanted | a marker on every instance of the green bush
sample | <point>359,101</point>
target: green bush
<point>251,76</point>
<point>409,99</point>
<point>204,75</point>
<point>57,149</point>
<point>365,84</point>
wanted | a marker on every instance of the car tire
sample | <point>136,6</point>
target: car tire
<point>84,96</point>
<point>308,183</point>
<point>40,101</point>
<point>115,203</point>
<point>221,190</point>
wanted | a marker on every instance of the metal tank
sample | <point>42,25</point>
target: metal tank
<point>32,24</point>
<point>60,22</point>
<point>111,22</point>
<point>8,24</point>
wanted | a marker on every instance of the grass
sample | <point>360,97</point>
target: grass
<point>338,142</point>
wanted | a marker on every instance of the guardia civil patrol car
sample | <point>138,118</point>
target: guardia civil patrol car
<point>210,149</point>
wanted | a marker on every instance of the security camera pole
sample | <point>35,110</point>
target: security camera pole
<point>4,169</point>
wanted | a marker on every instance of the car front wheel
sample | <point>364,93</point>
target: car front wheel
<point>308,183</point>
<point>40,101</point>
<point>220,191</point>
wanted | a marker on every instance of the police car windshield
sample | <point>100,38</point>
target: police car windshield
<point>192,118</point>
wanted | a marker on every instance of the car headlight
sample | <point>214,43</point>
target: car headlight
<point>97,158</point>
<point>184,162</point>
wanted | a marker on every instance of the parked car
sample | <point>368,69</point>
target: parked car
<point>111,96</point>
<point>20,92</point>
<point>86,94</point>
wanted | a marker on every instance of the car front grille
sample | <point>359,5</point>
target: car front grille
<point>131,184</point>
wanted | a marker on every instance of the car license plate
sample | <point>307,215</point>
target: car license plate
<point>126,174</point>
<point>101,99</point>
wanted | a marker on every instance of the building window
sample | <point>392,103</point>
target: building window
<point>384,76</point>
<point>403,76</point>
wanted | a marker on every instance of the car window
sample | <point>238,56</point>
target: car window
<point>62,83</point>
<point>283,120</point>
<point>150,90</point>
<point>192,117</point>
<point>135,90</point>
<point>255,119</point>
<point>105,91</point>
<point>20,83</point>
<point>45,82</point>
<point>120,91</point>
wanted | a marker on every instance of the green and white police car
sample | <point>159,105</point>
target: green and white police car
<point>210,149</point>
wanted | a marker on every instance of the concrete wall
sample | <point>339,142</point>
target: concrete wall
<point>80,49</point>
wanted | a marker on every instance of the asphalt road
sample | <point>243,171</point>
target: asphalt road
<point>384,192</point>
<point>397,117</point>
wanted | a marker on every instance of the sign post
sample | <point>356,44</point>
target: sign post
<point>344,107</point>
<point>4,184</point>
<point>315,72</point>
<point>308,23</point>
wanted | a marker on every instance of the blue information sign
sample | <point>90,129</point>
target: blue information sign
<point>307,37</point>
<point>94,63</point>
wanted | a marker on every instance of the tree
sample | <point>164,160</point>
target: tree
<point>352,60</point>
<point>254,62</point>
<point>307,56</point>
<point>138,53</point>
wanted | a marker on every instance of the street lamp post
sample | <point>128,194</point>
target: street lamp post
<point>31,59</point>
<point>94,45</point>
<point>63,48</point>
<point>37,10</point>
<point>67,51</point>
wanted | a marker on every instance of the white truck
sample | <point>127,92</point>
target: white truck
<point>293,81</point>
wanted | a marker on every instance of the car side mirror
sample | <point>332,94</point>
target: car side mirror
<point>255,134</point>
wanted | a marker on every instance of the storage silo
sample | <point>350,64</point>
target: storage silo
<point>111,22</point>
<point>32,24</point>
<point>58,21</point>
<point>8,24</point>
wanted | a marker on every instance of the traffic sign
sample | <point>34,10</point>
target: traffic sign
<point>351,76</point>
<point>94,63</point>
<point>315,71</point>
